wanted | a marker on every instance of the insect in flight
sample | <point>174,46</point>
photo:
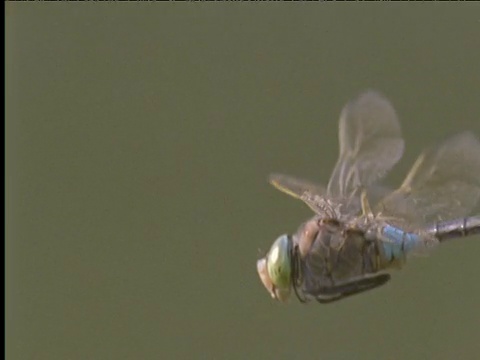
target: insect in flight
<point>360,230</point>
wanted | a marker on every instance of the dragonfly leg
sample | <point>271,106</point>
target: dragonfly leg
<point>366,209</point>
<point>351,288</point>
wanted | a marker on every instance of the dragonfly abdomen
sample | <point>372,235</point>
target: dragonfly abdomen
<point>447,230</point>
<point>397,243</point>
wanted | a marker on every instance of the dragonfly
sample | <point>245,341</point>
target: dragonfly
<point>361,230</point>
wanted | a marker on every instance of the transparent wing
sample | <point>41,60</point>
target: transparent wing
<point>444,183</point>
<point>323,206</point>
<point>294,186</point>
<point>370,144</point>
<point>310,193</point>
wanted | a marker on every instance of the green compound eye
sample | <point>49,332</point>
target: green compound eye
<point>279,266</point>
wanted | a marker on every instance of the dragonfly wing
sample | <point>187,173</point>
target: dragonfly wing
<point>310,193</point>
<point>294,186</point>
<point>370,144</point>
<point>444,183</point>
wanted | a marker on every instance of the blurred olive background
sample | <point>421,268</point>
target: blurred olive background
<point>139,138</point>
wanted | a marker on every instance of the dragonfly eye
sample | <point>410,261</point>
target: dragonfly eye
<point>264,277</point>
<point>279,269</point>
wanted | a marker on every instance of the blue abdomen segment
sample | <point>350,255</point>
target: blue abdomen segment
<point>397,243</point>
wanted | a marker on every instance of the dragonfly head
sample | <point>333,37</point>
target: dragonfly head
<point>275,269</point>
